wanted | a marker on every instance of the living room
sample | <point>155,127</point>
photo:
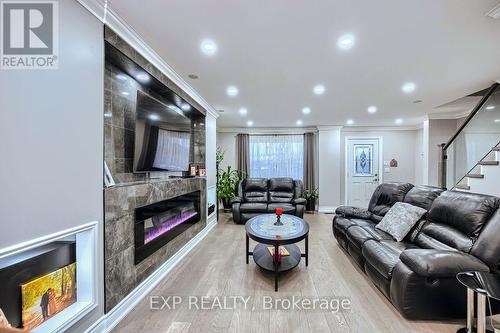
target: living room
<point>198,166</point>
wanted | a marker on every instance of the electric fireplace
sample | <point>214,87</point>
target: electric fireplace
<point>158,223</point>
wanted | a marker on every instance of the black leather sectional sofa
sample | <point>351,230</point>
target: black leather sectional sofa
<point>256,196</point>
<point>460,232</point>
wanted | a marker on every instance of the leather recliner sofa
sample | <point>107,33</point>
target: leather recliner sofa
<point>256,196</point>
<point>460,232</point>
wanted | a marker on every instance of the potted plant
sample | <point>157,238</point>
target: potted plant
<point>226,181</point>
<point>311,196</point>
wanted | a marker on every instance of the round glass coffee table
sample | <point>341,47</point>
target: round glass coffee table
<point>262,229</point>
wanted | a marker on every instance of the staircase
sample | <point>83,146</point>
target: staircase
<point>470,160</point>
<point>484,177</point>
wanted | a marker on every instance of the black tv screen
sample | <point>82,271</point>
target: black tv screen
<point>162,136</point>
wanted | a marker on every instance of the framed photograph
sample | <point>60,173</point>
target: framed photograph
<point>202,172</point>
<point>192,169</point>
<point>46,296</point>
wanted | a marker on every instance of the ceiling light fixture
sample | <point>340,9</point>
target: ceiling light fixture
<point>209,47</point>
<point>125,93</point>
<point>232,91</point>
<point>497,120</point>
<point>154,116</point>
<point>409,87</point>
<point>249,123</point>
<point>490,107</point>
<point>306,110</point>
<point>398,121</point>
<point>319,89</point>
<point>417,101</point>
<point>345,42</point>
<point>372,109</point>
<point>350,122</point>
<point>185,107</point>
<point>243,111</point>
<point>299,122</point>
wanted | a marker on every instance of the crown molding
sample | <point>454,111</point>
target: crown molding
<point>448,115</point>
<point>267,130</point>
<point>102,10</point>
<point>494,13</point>
<point>381,128</point>
<point>329,127</point>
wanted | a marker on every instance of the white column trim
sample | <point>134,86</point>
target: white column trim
<point>102,10</point>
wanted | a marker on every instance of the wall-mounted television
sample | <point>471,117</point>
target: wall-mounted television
<point>163,136</point>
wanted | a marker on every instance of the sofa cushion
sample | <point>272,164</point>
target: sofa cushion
<point>386,195</point>
<point>448,235</point>
<point>287,208</point>
<point>384,255</point>
<point>281,190</point>
<point>422,196</point>
<point>467,212</point>
<point>253,207</point>
<point>400,219</point>
<point>254,190</point>
<point>349,211</point>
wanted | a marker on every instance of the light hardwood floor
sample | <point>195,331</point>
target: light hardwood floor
<point>216,267</point>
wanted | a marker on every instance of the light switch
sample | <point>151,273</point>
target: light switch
<point>387,163</point>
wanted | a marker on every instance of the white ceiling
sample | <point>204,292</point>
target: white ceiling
<point>275,51</point>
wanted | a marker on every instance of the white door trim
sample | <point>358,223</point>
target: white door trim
<point>380,159</point>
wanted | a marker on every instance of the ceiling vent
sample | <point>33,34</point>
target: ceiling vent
<point>495,12</point>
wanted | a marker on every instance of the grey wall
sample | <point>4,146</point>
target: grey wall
<point>440,131</point>
<point>51,139</point>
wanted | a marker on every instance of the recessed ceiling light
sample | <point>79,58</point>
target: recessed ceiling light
<point>345,42</point>
<point>299,122</point>
<point>243,111</point>
<point>497,120</point>
<point>398,121</point>
<point>121,77</point>
<point>409,87</point>
<point>372,109</point>
<point>193,76</point>
<point>349,122</point>
<point>125,93</point>
<point>306,110</point>
<point>249,123</point>
<point>209,47</point>
<point>143,77</point>
<point>185,107</point>
<point>490,107</point>
<point>319,89</point>
<point>220,111</point>
<point>232,91</point>
<point>154,116</point>
<point>417,101</point>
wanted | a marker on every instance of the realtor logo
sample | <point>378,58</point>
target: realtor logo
<point>30,36</point>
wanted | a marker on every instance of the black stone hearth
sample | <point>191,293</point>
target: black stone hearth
<point>158,223</point>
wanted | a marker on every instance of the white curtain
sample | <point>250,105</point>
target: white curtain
<point>277,156</point>
<point>172,151</point>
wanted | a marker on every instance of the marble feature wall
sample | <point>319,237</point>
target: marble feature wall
<point>134,190</point>
<point>121,274</point>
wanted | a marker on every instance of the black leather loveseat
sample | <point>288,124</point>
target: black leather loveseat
<point>460,232</point>
<point>256,196</point>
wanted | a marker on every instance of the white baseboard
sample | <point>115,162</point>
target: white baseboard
<point>327,209</point>
<point>107,322</point>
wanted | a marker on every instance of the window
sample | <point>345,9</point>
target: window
<point>277,156</point>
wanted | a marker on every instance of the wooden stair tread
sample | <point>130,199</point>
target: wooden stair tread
<point>462,187</point>
<point>475,175</point>
<point>488,163</point>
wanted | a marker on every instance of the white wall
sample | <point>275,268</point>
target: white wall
<point>440,131</point>
<point>419,157</point>
<point>51,139</point>
<point>227,141</point>
<point>329,175</point>
<point>397,144</point>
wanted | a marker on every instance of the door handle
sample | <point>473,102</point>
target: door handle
<point>375,180</point>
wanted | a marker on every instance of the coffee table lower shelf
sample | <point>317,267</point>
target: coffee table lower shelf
<point>263,258</point>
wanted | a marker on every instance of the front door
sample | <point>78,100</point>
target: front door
<point>362,170</point>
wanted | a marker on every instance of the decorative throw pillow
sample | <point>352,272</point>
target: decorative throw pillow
<point>400,219</point>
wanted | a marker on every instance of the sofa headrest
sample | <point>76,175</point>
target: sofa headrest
<point>281,184</point>
<point>423,196</point>
<point>255,185</point>
<point>468,212</point>
<point>386,195</point>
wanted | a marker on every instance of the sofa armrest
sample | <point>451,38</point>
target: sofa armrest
<point>236,200</point>
<point>356,212</point>
<point>439,263</point>
<point>299,201</point>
